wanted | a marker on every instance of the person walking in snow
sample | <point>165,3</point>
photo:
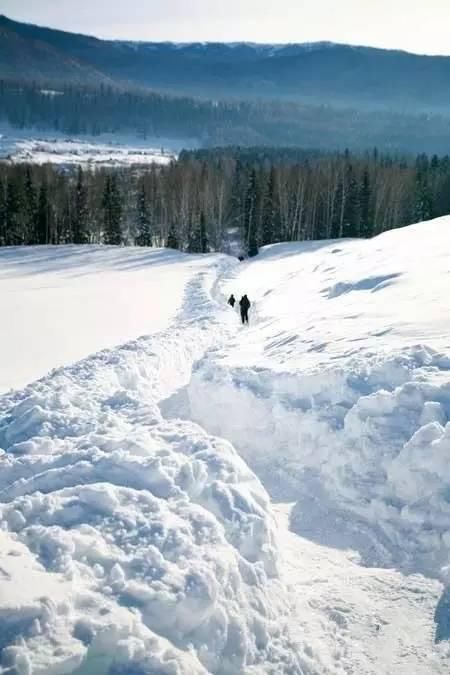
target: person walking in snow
<point>232,300</point>
<point>244,304</point>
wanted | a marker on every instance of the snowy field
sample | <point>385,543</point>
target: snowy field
<point>63,303</point>
<point>208,498</point>
<point>39,147</point>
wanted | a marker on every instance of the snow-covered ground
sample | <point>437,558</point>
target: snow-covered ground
<point>136,540</point>
<point>40,147</point>
<point>75,152</point>
<point>62,303</point>
<point>345,376</point>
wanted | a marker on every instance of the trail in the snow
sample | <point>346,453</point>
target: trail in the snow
<point>149,545</point>
<point>146,545</point>
<point>324,439</point>
<point>367,621</point>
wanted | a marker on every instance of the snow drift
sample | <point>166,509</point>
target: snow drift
<point>131,544</point>
<point>135,541</point>
<point>332,399</point>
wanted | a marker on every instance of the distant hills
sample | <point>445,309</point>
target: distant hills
<point>318,73</point>
<point>320,96</point>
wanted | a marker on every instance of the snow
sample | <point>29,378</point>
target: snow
<point>62,303</point>
<point>161,536</point>
<point>39,147</point>
<point>346,373</point>
<point>205,497</point>
<point>75,152</point>
<point>372,621</point>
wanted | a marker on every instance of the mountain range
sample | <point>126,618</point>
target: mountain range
<point>318,73</point>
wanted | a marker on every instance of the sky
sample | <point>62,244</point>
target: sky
<point>420,26</point>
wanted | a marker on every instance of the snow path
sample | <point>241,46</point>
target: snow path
<point>354,428</point>
<point>147,546</point>
<point>156,549</point>
<point>369,621</point>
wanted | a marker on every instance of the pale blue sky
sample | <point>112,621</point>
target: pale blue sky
<point>415,25</point>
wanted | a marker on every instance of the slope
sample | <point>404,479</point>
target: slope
<point>338,397</point>
<point>344,379</point>
<point>157,548</point>
<point>31,55</point>
<point>141,545</point>
<point>62,303</point>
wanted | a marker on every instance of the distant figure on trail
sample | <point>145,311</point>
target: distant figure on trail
<point>244,304</point>
<point>232,300</point>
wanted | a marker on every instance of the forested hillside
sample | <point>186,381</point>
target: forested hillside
<point>319,73</point>
<point>75,109</point>
<point>256,196</point>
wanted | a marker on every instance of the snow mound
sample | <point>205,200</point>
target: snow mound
<point>331,400</point>
<point>145,546</point>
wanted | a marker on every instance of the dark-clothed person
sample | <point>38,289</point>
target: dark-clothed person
<point>244,304</point>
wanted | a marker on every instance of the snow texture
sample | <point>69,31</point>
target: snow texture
<point>136,540</point>
<point>63,303</point>
<point>146,546</point>
<point>341,397</point>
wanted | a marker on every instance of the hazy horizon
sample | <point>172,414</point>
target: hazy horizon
<point>408,27</point>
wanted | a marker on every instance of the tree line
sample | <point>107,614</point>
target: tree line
<point>75,109</point>
<point>222,199</point>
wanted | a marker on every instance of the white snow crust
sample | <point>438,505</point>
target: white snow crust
<point>315,539</point>
<point>147,545</point>
<point>62,303</point>
<point>345,378</point>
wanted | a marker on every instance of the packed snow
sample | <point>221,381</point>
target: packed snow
<point>345,372</point>
<point>205,497</point>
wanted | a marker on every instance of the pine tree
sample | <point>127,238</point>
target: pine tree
<point>80,221</point>
<point>12,217</point>
<point>250,222</point>
<point>351,208</point>
<point>112,212</point>
<point>204,243</point>
<point>237,197</point>
<point>172,239</point>
<point>198,238</point>
<point>366,228</point>
<point>43,216</point>
<point>144,231</point>
<point>270,216</point>
<point>424,203</point>
<point>30,208</point>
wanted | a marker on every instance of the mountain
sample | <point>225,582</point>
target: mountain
<point>324,73</point>
<point>27,54</point>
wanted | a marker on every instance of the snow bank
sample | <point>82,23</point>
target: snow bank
<point>145,546</point>
<point>331,400</point>
<point>62,303</point>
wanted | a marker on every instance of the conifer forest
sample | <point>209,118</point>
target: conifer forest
<point>207,200</point>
